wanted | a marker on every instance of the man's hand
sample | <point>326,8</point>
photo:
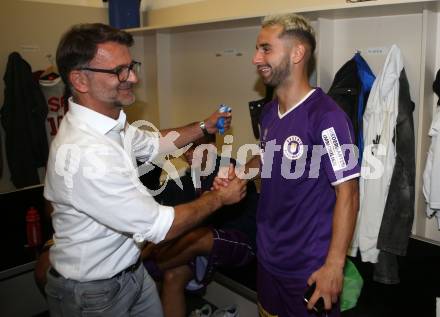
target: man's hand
<point>226,174</point>
<point>329,280</point>
<point>211,122</point>
<point>234,190</point>
<point>191,214</point>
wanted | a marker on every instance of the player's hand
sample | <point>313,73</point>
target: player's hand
<point>233,192</point>
<point>211,121</point>
<point>224,176</point>
<point>329,279</point>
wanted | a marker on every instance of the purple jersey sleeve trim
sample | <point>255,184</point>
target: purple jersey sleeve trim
<point>342,180</point>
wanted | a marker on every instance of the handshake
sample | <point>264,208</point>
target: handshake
<point>230,187</point>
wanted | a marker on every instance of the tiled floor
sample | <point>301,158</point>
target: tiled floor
<point>196,302</point>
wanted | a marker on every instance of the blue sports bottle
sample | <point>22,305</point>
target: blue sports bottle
<point>221,121</point>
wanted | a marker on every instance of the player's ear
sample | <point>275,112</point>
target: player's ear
<point>298,53</point>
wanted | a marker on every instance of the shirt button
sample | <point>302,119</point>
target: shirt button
<point>138,237</point>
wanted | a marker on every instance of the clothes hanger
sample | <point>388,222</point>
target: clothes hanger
<point>51,72</point>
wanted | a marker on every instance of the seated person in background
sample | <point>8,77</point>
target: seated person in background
<point>226,238</point>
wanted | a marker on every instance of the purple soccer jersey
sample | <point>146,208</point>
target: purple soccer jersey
<point>305,153</point>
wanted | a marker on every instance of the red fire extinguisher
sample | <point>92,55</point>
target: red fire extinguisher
<point>33,228</point>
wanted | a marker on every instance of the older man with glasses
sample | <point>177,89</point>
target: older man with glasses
<point>122,71</point>
<point>101,216</point>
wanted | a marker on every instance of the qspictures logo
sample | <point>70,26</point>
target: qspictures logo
<point>143,140</point>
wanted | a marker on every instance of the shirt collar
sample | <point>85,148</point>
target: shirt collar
<point>96,120</point>
<point>299,103</point>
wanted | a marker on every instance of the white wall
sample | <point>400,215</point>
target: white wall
<point>33,30</point>
<point>201,81</point>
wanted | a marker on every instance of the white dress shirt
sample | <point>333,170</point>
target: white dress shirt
<point>102,213</point>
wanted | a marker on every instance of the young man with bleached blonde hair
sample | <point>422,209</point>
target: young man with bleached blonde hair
<point>309,189</point>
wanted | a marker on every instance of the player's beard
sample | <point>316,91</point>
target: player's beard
<point>279,73</point>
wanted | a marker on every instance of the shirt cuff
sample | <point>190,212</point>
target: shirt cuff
<point>160,228</point>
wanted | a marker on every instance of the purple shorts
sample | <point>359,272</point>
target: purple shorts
<point>284,297</point>
<point>231,248</point>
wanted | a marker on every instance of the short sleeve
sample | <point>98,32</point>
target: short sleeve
<point>340,159</point>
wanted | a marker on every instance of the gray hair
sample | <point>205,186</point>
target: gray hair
<point>293,25</point>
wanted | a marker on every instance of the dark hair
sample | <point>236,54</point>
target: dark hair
<point>78,45</point>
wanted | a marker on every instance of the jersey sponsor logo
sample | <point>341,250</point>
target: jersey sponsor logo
<point>334,150</point>
<point>293,147</point>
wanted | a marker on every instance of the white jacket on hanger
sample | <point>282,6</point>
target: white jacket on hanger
<point>379,155</point>
<point>431,179</point>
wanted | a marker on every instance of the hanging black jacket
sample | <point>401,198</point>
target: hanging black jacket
<point>345,90</point>
<point>255,109</point>
<point>398,214</point>
<point>23,117</point>
<point>350,89</point>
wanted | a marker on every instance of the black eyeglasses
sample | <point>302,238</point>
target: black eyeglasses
<point>122,72</point>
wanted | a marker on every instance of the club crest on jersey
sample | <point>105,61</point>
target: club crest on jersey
<point>293,147</point>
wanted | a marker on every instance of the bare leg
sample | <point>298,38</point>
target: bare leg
<point>173,295</point>
<point>179,252</point>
